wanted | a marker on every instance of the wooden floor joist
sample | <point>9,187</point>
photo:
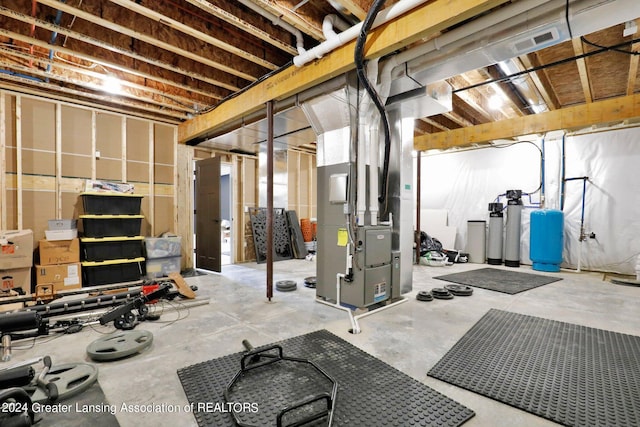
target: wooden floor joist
<point>595,113</point>
<point>398,33</point>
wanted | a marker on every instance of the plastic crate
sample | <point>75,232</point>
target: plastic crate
<point>111,203</point>
<point>162,247</point>
<point>111,225</point>
<point>161,267</point>
<point>108,248</point>
<point>112,271</point>
<point>62,224</point>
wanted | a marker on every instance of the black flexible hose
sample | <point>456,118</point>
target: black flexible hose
<point>364,80</point>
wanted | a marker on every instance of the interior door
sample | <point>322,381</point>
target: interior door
<point>207,201</point>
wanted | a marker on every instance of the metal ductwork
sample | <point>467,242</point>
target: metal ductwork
<point>517,29</point>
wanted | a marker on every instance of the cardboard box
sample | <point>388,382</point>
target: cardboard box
<point>59,251</point>
<point>16,249</point>
<point>62,276</point>
<point>16,278</point>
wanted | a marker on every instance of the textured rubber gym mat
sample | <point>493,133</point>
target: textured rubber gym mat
<point>370,392</point>
<point>570,374</point>
<point>506,281</point>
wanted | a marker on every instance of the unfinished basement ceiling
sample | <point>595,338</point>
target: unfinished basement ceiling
<point>176,59</point>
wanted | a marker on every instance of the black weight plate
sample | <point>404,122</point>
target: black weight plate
<point>439,291</point>
<point>442,296</point>
<point>286,285</point>
<point>459,290</point>
<point>310,280</point>
<point>424,296</point>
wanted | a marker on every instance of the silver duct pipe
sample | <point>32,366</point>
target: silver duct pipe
<point>510,32</point>
<point>279,22</point>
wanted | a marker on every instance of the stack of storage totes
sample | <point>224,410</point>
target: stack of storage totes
<point>111,241</point>
<point>58,259</point>
<point>163,256</point>
<point>16,259</point>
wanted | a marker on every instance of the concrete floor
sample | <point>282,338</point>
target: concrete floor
<point>411,337</point>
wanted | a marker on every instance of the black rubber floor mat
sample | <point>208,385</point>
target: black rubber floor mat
<point>506,281</point>
<point>569,374</point>
<point>370,392</point>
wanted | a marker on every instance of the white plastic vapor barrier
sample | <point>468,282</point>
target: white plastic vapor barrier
<point>465,182</point>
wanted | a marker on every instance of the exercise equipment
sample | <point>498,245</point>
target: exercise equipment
<point>69,379</point>
<point>123,316</point>
<point>459,290</point>
<point>10,323</point>
<point>119,344</point>
<point>424,296</point>
<point>309,399</point>
<point>441,293</point>
<point>286,286</point>
<point>17,408</point>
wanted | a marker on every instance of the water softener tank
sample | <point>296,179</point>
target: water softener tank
<point>512,233</point>
<point>476,241</point>
<point>496,225</point>
<point>546,239</point>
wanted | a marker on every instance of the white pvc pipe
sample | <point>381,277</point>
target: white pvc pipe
<point>361,171</point>
<point>346,36</point>
<point>329,23</point>
<point>277,21</point>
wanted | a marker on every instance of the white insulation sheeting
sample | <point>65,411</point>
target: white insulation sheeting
<point>464,182</point>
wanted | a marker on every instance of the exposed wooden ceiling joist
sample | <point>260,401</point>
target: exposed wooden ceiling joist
<point>415,25</point>
<point>633,66</point>
<point>355,7</point>
<point>165,20</point>
<point>541,81</point>
<point>599,112</point>
<point>148,39</point>
<point>243,25</point>
<point>582,70</point>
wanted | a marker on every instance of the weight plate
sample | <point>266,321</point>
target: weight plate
<point>310,282</point>
<point>441,296</point>
<point>459,290</point>
<point>70,379</point>
<point>119,344</point>
<point>424,296</point>
<point>286,285</point>
<point>439,291</point>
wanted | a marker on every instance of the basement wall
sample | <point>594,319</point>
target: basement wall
<point>48,149</point>
<point>465,182</point>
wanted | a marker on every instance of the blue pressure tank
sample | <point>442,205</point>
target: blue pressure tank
<point>546,239</point>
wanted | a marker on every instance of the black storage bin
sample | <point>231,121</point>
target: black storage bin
<point>108,248</point>
<point>112,271</point>
<point>111,225</point>
<point>111,203</point>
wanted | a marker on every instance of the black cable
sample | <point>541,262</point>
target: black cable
<point>549,65</point>
<point>364,80</point>
<point>566,16</point>
<point>608,48</point>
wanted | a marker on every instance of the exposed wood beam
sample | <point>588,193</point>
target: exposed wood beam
<point>44,62</point>
<point>354,7</point>
<point>540,80</point>
<point>412,26</point>
<point>144,38</point>
<point>433,123</point>
<point>230,18</point>
<point>311,28</point>
<point>99,43</point>
<point>595,113</point>
<point>457,118</point>
<point>170,22</point>
<point>49,87</point>
<point>582,70</point>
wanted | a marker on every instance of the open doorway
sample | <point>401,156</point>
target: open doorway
<point>212,230</point>
<point>226,209</point>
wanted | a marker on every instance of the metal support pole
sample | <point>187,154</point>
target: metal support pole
<point>269,200</point>
<point>418,185</point>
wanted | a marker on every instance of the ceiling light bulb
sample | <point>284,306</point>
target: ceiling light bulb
<point>496,102</point>
<point>112,85</point>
